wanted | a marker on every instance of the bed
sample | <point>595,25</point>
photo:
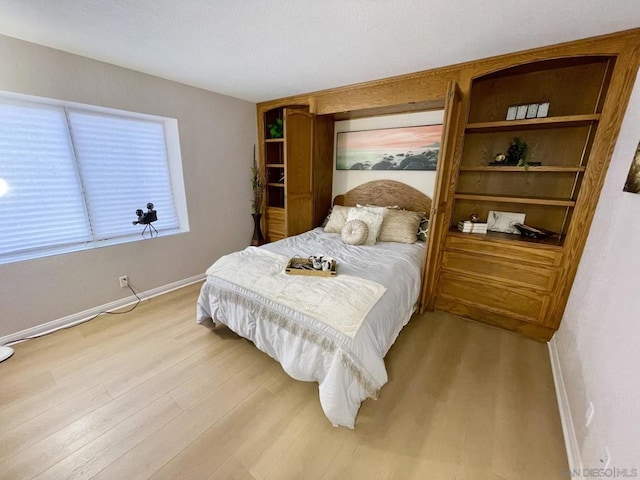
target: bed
<point>333,331</point>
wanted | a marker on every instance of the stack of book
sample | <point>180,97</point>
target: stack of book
<point>470,227</point>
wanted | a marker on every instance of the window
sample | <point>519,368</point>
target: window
<point>72,176</point>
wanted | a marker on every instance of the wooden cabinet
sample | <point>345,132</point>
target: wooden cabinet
<point>502,282</point>
<point>501,279</point>
<point>297,169</point>
<point>506,279</point>
<point>575,89</point>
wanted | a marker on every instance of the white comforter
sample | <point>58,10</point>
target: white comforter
<point>348,370</point>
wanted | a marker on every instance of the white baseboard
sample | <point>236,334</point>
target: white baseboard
<point>570,440</point>
<point>81,317</point>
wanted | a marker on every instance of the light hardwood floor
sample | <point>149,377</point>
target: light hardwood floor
<point>151,394</point>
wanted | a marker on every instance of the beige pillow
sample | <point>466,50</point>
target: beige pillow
<point>355,232</point>
<point>337,219</point>
<point>372,219</point>
<point>400,226</point>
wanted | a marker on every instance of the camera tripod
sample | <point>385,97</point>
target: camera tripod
<point>151,230</point>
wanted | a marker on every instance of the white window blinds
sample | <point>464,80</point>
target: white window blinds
<point>76,177</point>
<point>43,204</point>
<point>123,166</point>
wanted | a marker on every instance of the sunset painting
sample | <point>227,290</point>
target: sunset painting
<point>404,148</point>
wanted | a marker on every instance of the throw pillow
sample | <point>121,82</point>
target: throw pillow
<point>337,219</point>
<point>355,232</point>
<point>326,219</point>
<point>372,219</point>
<point>375,209</point>
<point>423,229</point>
<point>400,226</point>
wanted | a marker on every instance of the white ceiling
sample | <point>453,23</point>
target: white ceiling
<point>264,49</point>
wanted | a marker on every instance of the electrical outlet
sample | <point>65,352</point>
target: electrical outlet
<point>124,281</point>
<point>605,458</point>
<point>589,415</point>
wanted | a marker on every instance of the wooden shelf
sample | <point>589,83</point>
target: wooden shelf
<point>281,185</point>
<point>550,169</point>
<point>532,123</point>
<point>274,140</point>
<point>275,165</point>
<point>553,241</point>
<point>551,202</point>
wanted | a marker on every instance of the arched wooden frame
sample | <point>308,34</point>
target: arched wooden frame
<point>386,193</point>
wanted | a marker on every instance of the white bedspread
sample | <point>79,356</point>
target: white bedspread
<point>341,302</point>
<point>347,369</point>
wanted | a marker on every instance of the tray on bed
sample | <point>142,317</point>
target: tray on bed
<point>302,266</point>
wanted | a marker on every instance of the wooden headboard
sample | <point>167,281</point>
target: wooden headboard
<point>386,193</point>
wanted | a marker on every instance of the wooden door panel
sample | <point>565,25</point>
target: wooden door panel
<point>438,225</point>
<point>299,126</point>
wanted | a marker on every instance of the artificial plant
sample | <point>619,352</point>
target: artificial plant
<point>257,185</point>
<point>276,129</point>
<point>517,153</point>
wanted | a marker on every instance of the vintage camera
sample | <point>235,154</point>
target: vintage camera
<point>145,218</point>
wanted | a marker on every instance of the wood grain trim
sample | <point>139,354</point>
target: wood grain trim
<point>385,193</point>
<point>275,220</point>
<point>438,222</point>
<point>393,90</point>
<point>523,200</point>
<point>615,106</point>
<point>516,302</point>
<point>541,169</point>
<point>533,123</point>
<point>539,254</point>
<point>511,273</point>
<point>534,331</point>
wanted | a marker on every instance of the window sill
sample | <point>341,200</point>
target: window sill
<point>79,247</point>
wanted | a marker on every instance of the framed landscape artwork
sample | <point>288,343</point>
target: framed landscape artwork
<point>403,148</point>
<point>633,179</point>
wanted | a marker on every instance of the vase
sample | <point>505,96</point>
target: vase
<point>257,239</point>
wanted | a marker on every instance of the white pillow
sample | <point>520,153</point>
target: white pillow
<point>355,232</point>
<point>374,208</point>
<point>372,219</point>
<point>337,219</point>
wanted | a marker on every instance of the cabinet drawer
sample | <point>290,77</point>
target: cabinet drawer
<point>274,236</point>
<point>505,250</point>
<point>276,228</point>
<point>536,331</point>
<point>512,272</point>
<point>522,303</point>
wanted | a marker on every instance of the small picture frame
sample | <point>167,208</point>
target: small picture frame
<point>511,112</point>
<point>521,112</point>
<point>543,110</point>
<point>532,110</point>
<point>504,221</point>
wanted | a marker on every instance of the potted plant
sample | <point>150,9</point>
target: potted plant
<point>517,153</point>
<point>276,129</point>
<point>258,186</point>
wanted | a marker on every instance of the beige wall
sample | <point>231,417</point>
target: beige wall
<point>598,344</point>
<point>217,134</point>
